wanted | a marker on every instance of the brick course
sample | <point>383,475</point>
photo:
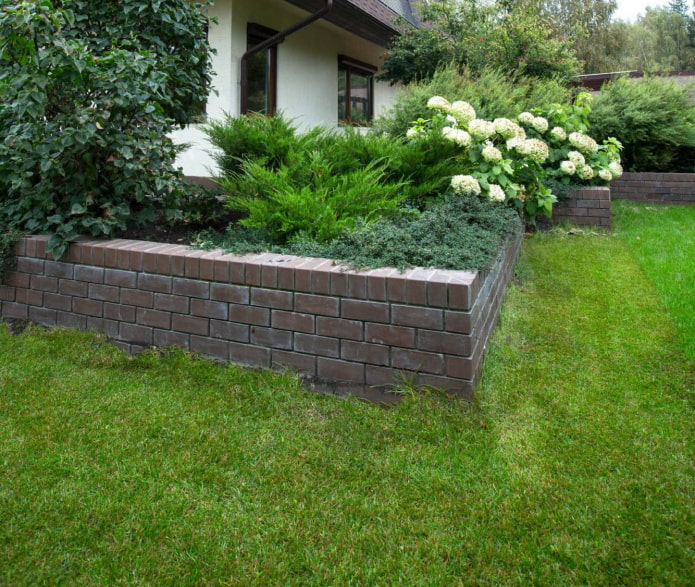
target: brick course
<point>655,188</point>
<point>341,329</point>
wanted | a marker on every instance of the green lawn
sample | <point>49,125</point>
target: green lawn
<point>574,466</point>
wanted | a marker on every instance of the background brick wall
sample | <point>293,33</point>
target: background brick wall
<point>343,330</point>
<point>658,188</point>
<point>590,206</point>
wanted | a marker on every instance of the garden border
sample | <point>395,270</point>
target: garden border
<point>343,330</point>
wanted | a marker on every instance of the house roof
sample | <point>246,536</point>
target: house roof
<point>374,20</point>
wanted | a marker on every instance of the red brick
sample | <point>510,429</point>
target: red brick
<point>153,282</point>
<point>305,364</point>
<point>334,369</point>
<point>377,376</point>
<point>135,334</point>
<point>339,283</point>
<point>376,284</point>
<point>210,347</point>
<point>120,278</point>
<point>154,318</point>
<point>418,317</point>
<point>18,280</point>
<point>365,310</point>
<point>460,367</point>
<point>461,322</point>
<point>316,345</point>
<point>70,320</point>
<point>357,286</point>
<point>106,293</point>
<point>7,293</point>
<point>192,264</point>
<point>89,273</point>
<point>119,312</point>
<point>340,328</point>
<point>15,310</point>
<point>238,294</point>
<point>59,269</point>
<point>41,283</point>
<point>27,265</point>
<point>250,355</point>
<point>416,286</point>
<point>252,272</point>
<point>88,307</point>
<point>43,316</point>
<point>30,297</point>
<point>444,342</point>
<point>399,336</point>
<point>314,304</point>
<point>190,324</point>
<point>269,276</point>
<point>207,265</point>
<point>229,330</point>
<point>272,298</point>
<point>321,278</point>
<point>209,309</point>
<point>249,314</point>
<point>171,303</point>
<point>396,286</point>
<point>57,302</point>
<point>271,337</point>
<point>135,297</point>
<point>191,287</point>
<point>286,278</point>
<point>293,321</point>
<point>150,256</point>
<point>108,327</point>
<point>417,361</point>
<point>364,353</point>
<point>170,338</point>
<point>438,290</point>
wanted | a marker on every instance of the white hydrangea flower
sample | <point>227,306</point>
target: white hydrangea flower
<point>438,103</point>
<point>526,118</point>
<point>496,193</point>
<point>412,133</point>
<point>457,135</point>
<point>605,174</point>
<point>481,129</point>
<point>463,111</point>
<point>540,124</point>
<point>452,120</point>
<point>507,129</point>
<point>583,142</point>
<point>492,154</point>
<point>534,149</point>
<point>616,169</point>
<point>465,185</point>
<point>514,142</point>
<point>585,172</point>
<point>558,133</point>
<point>568,168</point>
<point>577,158</point>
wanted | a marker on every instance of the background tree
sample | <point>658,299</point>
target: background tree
<point>90,91</point>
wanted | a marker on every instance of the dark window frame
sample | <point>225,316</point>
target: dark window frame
<point>354,66</point>
<point>256,34</point>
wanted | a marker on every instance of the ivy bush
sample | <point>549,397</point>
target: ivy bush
<point>90,91</point>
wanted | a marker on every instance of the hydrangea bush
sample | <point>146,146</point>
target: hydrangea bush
<point>512,160</point>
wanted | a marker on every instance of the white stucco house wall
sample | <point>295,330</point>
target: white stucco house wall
<point>302,71</point>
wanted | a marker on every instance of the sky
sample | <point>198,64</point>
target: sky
<point>629,9</point>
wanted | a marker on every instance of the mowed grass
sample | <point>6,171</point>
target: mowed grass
<point>574,466</point>
<point>662,240</point>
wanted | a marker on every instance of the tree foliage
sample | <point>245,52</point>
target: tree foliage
<point>90,90</point>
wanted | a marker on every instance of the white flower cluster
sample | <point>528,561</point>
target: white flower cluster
<point>462,111</point>
<point>492,154</point>
<point>526,118</point>
<point>568,168</point>
<point>438,103</point>
<point>540,124</point>
<point>616,169</point>
<point>533,149</point>
<point>496,193</point>
<point>481,129</point>
<point>465,185</point>
<point>457,135</point>
<point>585,172</point>
<point>583,143</point>
<point>558,133</point>
<point>577,158</point>
<point>508,129</point>
<point>412,133</point>
<point>605,174</point>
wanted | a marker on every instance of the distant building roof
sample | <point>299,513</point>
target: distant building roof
<point>594,81</point>
<point>374,20</point>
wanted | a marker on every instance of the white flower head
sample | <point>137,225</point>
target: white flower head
<point>605,174</point>
<point>526,118</point>
<point>481,129</point>
<point>457,135</point>
<point>492,154</point>
<point>496,193</point>
<point>558,133</point>
<point>465,185</point>
<point>463,111</point>
<point>533,149</point>
<point>438,103</point>
<point>568,168</point>
<point>507,129</point>
<point>616,169</point>
<point>585,172</point>
<point>540,124</point>
<point>583,143</point>
<point>577,158</point>
<point>412,133</point>
<point>452,120</point>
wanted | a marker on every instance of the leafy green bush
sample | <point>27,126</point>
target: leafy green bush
<point>653,118</point>
<point>8,239</point>
<point>492,92</point>
<point>89,92</point>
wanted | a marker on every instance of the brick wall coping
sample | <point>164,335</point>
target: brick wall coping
<point>655,187</point>
<point>343,330</point>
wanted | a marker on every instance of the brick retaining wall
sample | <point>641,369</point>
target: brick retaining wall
<point>357,331</point>
<point>657,188</point>
<point>590,206</point>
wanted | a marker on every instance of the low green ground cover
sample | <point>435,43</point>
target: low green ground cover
<point>662,239</point>
<point>574,465</point>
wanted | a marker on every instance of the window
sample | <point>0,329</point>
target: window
<point>259,89</point>
<point>355,91</point>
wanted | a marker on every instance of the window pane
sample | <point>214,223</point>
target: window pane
<point>359,98</point>
<point>342,94</point>
<point>258,81</point>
